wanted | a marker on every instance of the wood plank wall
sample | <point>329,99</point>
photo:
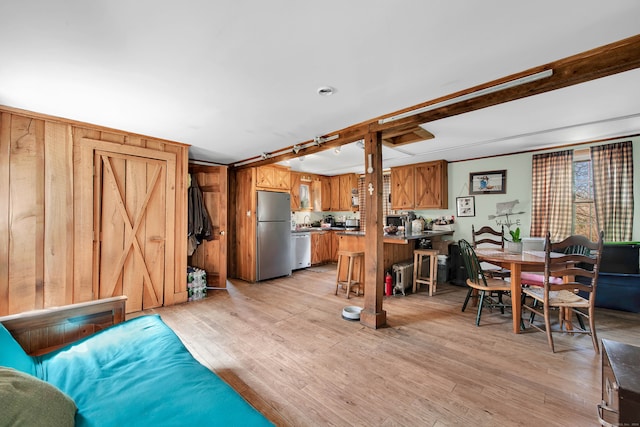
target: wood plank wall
<point>43,255</point>
<point>244,236</point>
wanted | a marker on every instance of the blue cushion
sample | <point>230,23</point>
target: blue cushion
<point>139,373</point>
<point>12,355</point>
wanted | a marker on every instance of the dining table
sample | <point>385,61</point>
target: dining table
<point>517,263</point>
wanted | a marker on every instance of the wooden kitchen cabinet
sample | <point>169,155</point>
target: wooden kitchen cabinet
<point>341,187</point>
<point>431,185</point>
<point>316,195</point>
<point>420,186</point>
<point>321,193</point>
<point>273,178</point>
<point>295,190</point>
<point>320,247</point>
<point>402,187</point>
<point>335,193</point>
<point>325,186</point>
<point>335,242</point>
<point>348,183</point>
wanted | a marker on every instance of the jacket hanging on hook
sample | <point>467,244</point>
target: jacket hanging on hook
<point>199,223</point>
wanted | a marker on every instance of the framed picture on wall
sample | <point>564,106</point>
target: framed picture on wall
<point>466,206</point>
<point>492,182</point>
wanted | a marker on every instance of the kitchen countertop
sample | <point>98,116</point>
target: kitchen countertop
<point>401,238</point>
<point>316,229</point>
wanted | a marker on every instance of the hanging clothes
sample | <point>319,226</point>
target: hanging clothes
<point>199,223</point>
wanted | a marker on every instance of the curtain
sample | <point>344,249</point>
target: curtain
<point>552,195</point>
<point>613,189</point>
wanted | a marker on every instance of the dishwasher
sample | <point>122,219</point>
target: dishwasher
<point>300,250</point>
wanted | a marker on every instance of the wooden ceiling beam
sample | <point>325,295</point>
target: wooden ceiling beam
<point>617,57</point>
<point>603,61</point>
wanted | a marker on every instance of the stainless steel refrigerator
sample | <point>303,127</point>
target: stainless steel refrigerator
<point>273,235</point>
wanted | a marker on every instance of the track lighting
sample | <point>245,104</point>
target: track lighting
<point>265,156</point>
<point>337,150</point>
<point>296,149</point>
<point>360,144</point>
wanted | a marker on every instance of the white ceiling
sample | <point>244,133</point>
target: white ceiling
<point>235,79</point>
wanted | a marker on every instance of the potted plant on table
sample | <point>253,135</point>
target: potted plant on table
<point>515,245</point>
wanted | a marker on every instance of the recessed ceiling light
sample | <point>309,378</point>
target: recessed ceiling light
<point>326,91</point>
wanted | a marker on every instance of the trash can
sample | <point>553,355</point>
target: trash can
<point>443,268</point>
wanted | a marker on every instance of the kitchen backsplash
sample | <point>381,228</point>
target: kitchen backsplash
<point>311,217</point>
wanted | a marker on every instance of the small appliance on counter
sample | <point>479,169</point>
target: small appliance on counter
<point>328,221</point>
<point>395,220</point>
<point>352,224</point>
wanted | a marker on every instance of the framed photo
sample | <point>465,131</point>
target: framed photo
<point>466,206</point>
<point>492,182</point>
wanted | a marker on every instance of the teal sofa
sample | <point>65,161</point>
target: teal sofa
<point>133,373</point>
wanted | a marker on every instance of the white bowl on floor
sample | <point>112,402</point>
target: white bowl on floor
<point>351,312</point>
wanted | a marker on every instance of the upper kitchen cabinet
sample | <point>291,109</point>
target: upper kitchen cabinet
<point>431,183</point>
<point>325,185</point>
<point>343,188</point>
<point>321,194</point>
<point>349,192</point>
<point>301,193</point>
<point>402,187</point>
<point>273,177</point>
<point>334,202</point>
<point>295,190</point>
<point>420,186</point>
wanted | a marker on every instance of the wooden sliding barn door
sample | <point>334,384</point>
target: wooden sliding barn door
<point>134,220</point>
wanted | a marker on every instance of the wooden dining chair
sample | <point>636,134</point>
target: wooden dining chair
<point>489,290</point>
<point>488,237</point>
<point>569,284</point>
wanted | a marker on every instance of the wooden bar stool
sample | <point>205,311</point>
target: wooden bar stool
<point>353,257</point>
<point>418,278</point>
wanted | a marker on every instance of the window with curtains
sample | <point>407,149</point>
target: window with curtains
<point>386,203</point>
<point>584,194</point>
<point>584,209</point>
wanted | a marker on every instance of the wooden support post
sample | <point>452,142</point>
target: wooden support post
<point>373,315</point>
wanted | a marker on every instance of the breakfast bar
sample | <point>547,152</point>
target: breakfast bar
<point>397,248</point>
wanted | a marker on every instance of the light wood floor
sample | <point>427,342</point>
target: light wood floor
<point>284,346</point>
